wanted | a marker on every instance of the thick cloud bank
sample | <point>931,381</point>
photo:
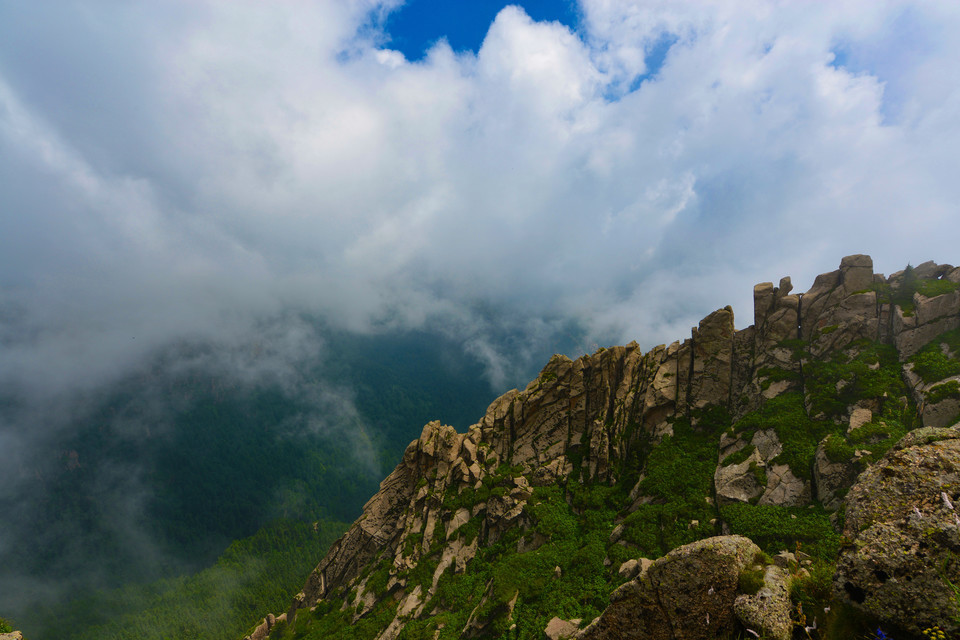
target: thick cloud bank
<point>178,170</point>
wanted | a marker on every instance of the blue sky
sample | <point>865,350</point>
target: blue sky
<point>417,25</point>
<point>189,168</point>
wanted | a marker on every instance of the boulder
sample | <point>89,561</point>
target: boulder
<point>688,593</point>
<point>900,562</point>
<point>558,629</point>
<point>739,482</point>
<point>859,417</point>
<point>767,612</point>
<point>783,488</point>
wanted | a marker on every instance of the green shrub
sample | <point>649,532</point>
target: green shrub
<point>799,434</point>
<point>751,581</point>
<point>932,288</point>
<point>5,626</point>
<point>774,528</point>
<point>943,391</point>
<point>739,456</point>
<point>932,364</point>
<point>759,473</point>
<point>837,448</point>
<point>873,371</point>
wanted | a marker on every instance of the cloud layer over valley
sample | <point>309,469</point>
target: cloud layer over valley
<point>181,170</point>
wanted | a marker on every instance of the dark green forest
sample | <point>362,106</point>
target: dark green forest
<point>165,470</point>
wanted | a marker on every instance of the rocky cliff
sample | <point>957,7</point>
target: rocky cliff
<point>623,471</point>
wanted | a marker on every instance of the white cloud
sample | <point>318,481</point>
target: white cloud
<point>220,162</point>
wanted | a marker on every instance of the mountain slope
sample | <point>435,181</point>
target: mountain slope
<point>543,507</point>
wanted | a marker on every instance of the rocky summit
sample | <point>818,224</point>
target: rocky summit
<point>792,479</point>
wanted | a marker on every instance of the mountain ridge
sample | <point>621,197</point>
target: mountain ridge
<point>684,442</point>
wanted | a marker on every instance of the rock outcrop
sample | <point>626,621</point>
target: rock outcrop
<point>764,399</point>
<point>901,563</point>
<point>689,593</point>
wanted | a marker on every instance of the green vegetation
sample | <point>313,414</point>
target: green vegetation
<point>835,383</point>
<point>875,437</point>
<point>769,375</point>
<point>497,483</point>
<point>775,528</point>
<point>759,473</point>
<point>188,458</point>
<point>943,391</point>
<point>931,288</point>
<point>679,479</point>
<point>799,434</point>
<point>751,581</point>
<point>932,364</point>
<point>575,522</point>
<point>739,456</point>
<point>5,627</point>
<point>252,577</point>
<point>902,295</point>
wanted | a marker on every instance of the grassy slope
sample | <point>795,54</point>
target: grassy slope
<point>253,576</point>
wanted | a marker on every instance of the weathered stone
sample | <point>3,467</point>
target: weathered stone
<point>558,629</point>
<point>783,488</point>
<point>261,632</point>
<point>712,346</point>
<point>738,482</point>
<point>629,569</point>
<point>768,611</point>
<point>785,560</point>
<point>767,444</point>
<point>931,309</point>
<point>856,273</point>
<point>899,563</point>
<point>910,334</point>
<point>762,301</point>
<point>928,269</point>
<point>832,478</point>
<point>859,417</point>
<point>688,593</point>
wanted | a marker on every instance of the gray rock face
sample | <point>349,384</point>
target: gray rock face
<point>738,482</point>
<point>768,611</point>
<point>830,478</point>
<point>936,410</point>
<point>931,317</point>
<point>783,488</point>
<point>904,535</point>
<point>758,478</point>
<point>688,593</point>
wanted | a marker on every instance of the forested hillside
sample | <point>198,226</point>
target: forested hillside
<point>158,474</point>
